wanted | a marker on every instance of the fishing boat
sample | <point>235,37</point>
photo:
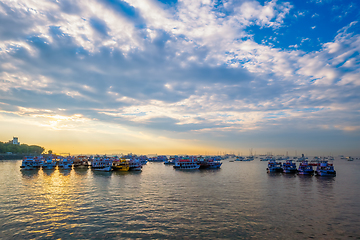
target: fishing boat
<point>101,164</point>
<point>324,168</point>
<point>121,165</point>
<point>305,168</point>
<point>186,164</point>
<point>274,166</point>
<point>289,167</point>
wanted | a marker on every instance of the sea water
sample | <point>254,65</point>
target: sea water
<point>238,201</point>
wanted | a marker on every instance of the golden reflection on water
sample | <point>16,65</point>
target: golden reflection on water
<point>55,203</point>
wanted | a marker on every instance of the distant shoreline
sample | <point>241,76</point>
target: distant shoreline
<point>12,156</point>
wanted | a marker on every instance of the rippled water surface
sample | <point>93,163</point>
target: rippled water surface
<point>239,201</point>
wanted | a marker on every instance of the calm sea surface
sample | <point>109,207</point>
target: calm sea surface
<point>239,201</point>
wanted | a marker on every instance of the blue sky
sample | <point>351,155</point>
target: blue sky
<point>190,76</point>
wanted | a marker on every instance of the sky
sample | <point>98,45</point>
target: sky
<point>181,76</point>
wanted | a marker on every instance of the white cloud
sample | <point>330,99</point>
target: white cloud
<point>190,66</point>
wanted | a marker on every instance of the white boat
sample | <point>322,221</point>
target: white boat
<point>28,163</point>
<point>101,164</point>
<point>186,164</point>
<point>135,165</point>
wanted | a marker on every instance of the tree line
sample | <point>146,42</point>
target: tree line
<point>20,149</point>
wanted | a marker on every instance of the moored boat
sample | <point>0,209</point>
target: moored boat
<point>214,164</point>
<point>249,158</point>
<point>274,166</point>
<point>28,163</point>
<point>305,168</point>
<point>324,168</point>
<point>289,167</point>
<point>160,158</point>
<point>49,163</point>
<point>81,162</point>
<point>186,164</point>
<point>171,160</point>
<point>101,164</point>
<point>135,165</point>
<point>121,165</point>
<point>267,158</point>
<point>240,158</point>
<point>64,163</point>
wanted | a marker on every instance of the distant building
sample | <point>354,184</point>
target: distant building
<point>15,141</point>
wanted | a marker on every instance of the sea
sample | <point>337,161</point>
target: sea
<point>239,201</point>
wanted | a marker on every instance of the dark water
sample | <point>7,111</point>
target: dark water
<point>239,201</point>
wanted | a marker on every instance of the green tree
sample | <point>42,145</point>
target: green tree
<point>23,148</point>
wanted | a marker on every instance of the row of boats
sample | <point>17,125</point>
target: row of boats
<point>280,158</point>
<point>125,163</point>
<point>98,163</point>
<point>194,162</point>
<point>323,168</point>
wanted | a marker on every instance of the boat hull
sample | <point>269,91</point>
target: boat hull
<point>326,174</point>
<point>192,167</point>
<point>103,169</point>
<point>274,170</point>
<point>306,172</point>
<point>121,168</point>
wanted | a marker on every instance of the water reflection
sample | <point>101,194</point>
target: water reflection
<point>81,171</point>
<point>325,187</point>
<point>289,175</point>
<point>305,178</point>
<point>325,182</point>
<point>48,172</point>
<point>29,173</point>
<point>274,174</point>
<point>101,173</point>
<point>214,170</point>
<point>65,172</point>
<point>120,173</point>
